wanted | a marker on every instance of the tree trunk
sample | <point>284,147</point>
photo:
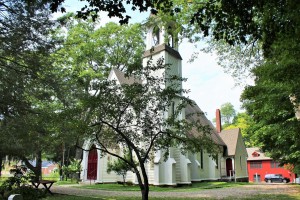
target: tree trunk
<point>145,192</point>
<point>1,164</point>
<point>38,166</point>
<point>37,170</point>
<point>143,186</point>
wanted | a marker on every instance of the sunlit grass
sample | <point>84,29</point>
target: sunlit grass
<point>184,188</point>
<point>253,197</point>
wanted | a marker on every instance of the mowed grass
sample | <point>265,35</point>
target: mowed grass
<point>253,197</point>
<point>184,188</point>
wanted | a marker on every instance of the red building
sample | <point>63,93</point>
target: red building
<point>259,165</point>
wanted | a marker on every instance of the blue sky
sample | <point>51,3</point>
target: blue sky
<point>210,87</point>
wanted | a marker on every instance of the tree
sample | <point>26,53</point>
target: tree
<point>26,83</point>
<point>88,53</point>
<point>120,167</point>
<point>227,113</point>
<point>114,8</point>
<point>24,43</point>
<point>235,22</point>
<point>134,116</point>
<point>236,60</point>
<point>95,51</point>
<point>270,104</point>
<point>246,124</point>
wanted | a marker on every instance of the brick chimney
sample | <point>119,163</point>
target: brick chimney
<point>218,121</point>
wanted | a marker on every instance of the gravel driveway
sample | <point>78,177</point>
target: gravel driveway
<point>241,191</point>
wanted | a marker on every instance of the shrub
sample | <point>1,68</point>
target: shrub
<point>28,193</point>
<point>19,184</point>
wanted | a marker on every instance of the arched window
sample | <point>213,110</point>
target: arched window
<point>155,35</point>
<point>171,41</point>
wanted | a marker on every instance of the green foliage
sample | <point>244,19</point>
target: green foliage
<point>27,81</point>
<point>246,124</point>
<point>27,192</point>
<point>121,167</point>
<point>73,169</point>
<point>20,184</point>
<point>116,8</point>
<point>269,100</point>
<point>227,113</point>
<point>93,52</point>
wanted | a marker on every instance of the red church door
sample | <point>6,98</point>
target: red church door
<point>92,164</point>
<point>229,167</point>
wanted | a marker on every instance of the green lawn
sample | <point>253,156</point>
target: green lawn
<point>193,187</point>
<point>254,197</point>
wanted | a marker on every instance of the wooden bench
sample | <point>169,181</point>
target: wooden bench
<point>46,183</point>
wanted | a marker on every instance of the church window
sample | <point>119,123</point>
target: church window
<point>201,158</point>
<point>155,35</point>
<point>216,158</point>
<point>171,41</point>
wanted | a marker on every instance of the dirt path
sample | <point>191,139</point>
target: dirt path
<point>241,191</point>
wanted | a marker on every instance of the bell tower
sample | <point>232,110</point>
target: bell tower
<point>162,42</point>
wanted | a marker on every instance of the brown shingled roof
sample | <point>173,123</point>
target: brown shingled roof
<point>230,138</point>
<point>125,80</point>
<point>190,109</point>
<point>255,153</point>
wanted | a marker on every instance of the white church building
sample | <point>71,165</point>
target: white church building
<point>178,168</point>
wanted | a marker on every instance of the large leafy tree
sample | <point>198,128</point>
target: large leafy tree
<point>26,84</point>
<point>24,44</point>
<point>228,113</point>
<point>87,54</point>
<point>274,98</point>
<point>269,101</point>
<point>95,50</point>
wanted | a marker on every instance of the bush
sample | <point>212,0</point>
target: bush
<point>19,184</point>
<point>28,193</point>
<point>72,170</point>
<point>129,183</point>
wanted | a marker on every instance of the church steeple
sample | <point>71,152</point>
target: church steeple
<point>158,34</point>
<point>162,42</point>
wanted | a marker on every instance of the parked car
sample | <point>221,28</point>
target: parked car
<point>278,178</point>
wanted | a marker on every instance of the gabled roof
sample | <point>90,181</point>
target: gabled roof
<point>230,138</point>
<point>255,153</point>
<point>123,79</point>
<point>190,109</point>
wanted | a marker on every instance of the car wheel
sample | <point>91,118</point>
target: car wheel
<point>284,181</point>
<point>269,181</point>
